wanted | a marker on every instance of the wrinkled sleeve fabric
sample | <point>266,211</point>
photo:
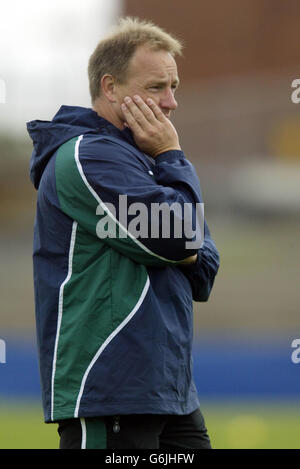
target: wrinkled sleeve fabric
<point>92,173</point>
<point>201,275</point>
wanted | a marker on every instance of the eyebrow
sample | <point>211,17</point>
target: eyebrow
<point>159,81</point>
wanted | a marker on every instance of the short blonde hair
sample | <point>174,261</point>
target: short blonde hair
<point>113,53</point>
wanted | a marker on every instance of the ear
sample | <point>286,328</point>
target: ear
<point>108,87</point>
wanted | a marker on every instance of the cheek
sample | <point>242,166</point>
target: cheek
<point>121,92</point>
<point>154,96</point>
<point>120,97</point>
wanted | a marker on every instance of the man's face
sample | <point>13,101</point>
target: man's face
<point>151,74</point>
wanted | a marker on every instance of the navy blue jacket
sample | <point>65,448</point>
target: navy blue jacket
<point>114,307</point>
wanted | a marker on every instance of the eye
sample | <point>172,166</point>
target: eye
<point>155,87</point>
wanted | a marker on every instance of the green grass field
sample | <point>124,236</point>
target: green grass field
<point>253,426</point>
<point>231,426</point>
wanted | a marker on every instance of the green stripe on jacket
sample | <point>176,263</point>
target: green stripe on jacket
<point>102,292</point>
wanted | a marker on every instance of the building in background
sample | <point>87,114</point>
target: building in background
<point>237,121</point>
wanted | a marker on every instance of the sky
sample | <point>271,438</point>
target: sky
<point>44,51</point>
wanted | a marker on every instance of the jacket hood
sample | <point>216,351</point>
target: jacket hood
<point>48,136</point>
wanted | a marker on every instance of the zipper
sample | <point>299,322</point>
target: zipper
<point>116,425</point>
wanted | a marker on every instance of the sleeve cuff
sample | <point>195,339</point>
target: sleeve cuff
<point>171,155</point>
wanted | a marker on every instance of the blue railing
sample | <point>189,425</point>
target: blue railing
<point>222,369</point>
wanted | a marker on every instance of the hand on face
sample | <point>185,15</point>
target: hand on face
<point>153,132</point>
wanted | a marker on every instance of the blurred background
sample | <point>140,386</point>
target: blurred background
<point>240,128</point>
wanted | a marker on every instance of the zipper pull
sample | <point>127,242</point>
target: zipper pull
<point>116,427</point>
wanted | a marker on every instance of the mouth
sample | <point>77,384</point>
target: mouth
<point>166,113</point>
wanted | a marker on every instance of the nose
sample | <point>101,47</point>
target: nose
<point>168,101</point>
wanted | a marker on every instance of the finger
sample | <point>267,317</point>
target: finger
<point>137,113</point>
<point>156,110</point>
<point>130,119</point>
<point>144,108</point>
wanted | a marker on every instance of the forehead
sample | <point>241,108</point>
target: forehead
<point>152,64</point>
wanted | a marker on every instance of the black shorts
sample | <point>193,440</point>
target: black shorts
<point>135,432</point>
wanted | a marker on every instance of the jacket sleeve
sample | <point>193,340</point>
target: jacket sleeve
<point>108,189</point>
<point>201,275</point>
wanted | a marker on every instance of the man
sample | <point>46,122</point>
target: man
<point>113,290</point>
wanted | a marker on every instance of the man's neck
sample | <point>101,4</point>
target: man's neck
<point>106,111</point>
